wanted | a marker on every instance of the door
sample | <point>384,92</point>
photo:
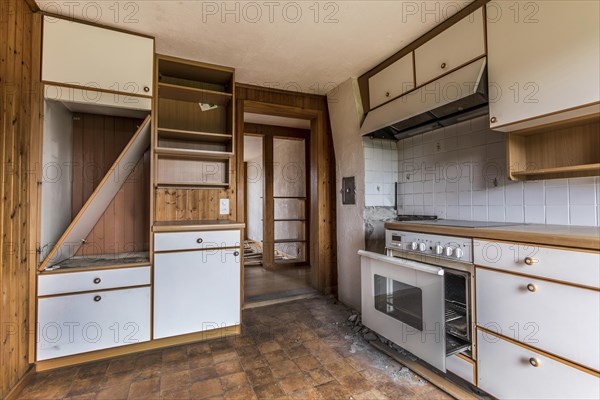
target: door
<point>195,291</point>
<point>403,301</point>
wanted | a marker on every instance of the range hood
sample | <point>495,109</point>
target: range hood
<point>456,97</point>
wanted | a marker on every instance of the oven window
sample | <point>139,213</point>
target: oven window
<point>399,300</point>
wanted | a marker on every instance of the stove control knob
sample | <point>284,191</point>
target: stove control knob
<point>448,251</point>
<point>414,245</point>
<point>458,253</point>
<point>422,247</point>
<point>439,250</point>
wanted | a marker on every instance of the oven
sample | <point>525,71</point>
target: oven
<point>419,294</point>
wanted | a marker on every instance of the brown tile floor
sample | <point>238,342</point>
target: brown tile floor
<point>296,350</point>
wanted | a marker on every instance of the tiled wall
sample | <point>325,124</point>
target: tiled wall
<point>381,172</point>
<point>459,172</point>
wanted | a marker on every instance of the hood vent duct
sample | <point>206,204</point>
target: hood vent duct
<point>456,97</point>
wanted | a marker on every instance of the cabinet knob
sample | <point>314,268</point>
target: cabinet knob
<point>493,120</point>
<point>531,287</point>
<point>387,94</point>
<point>97,298</point>
<point>443,66</point>
<point>146,89</point>
<point>530,261</point>
<point>236,253</point>
<point>97,280</point>
<point>199,240</point>
<point>534,362</point>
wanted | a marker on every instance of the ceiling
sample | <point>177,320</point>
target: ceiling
<point>306,46</point>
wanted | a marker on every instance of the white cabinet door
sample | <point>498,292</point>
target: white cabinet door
<point>80,323</point>
<point>560,319</point>
<point>505,371</point>
<point>196,291</point>
<point>456,46</point>
<point>391,82</point>
<point>85,55</point>
<point>543,58</point>
<point>200,240</point>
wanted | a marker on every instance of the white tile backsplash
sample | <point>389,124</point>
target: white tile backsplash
<point>461,170</point>
<point>381,172</point>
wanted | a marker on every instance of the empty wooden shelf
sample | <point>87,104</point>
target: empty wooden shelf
<point>194,95</point>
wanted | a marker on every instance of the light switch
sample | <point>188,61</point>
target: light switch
<point>224,206</point>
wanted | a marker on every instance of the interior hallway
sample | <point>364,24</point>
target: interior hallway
<point>297,350</point>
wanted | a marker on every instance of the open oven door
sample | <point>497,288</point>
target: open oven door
<point>403,300</point>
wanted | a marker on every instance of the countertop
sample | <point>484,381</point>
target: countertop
<point>582,237</point>
<point>196,225</point>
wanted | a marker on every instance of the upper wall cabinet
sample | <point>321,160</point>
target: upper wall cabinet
<point>456,46</point>
<point>544,59</point>
<point>84,55</point>
<point>392,82</point>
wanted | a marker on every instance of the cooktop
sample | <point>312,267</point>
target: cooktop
<point>433,220</point>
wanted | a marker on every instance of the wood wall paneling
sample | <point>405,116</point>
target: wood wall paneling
<point>18,86</point>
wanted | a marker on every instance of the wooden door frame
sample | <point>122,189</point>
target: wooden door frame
<point>317,167</point>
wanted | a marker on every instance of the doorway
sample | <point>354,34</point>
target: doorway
<point>276,250</point>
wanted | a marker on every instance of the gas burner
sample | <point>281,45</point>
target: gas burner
<point>416,217</point>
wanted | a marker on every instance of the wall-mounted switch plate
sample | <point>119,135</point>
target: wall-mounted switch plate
<point>348,190</point>
<point>224,206</point>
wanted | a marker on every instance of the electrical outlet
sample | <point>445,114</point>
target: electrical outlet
<point>224,206</point>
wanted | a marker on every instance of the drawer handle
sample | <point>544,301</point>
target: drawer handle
<point>387,94</point>
<point>443,66</point>
<point>531,287</point>
<point>236,253</point>
<point>530,261</point>
<point>199,240</point>
<point>97,298</point>
<point>146,89</point>
<point>97,280</point>
<point>534,362</point>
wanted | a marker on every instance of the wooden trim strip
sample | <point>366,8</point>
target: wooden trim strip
<point>95,89</point>
<point>85,269</point>
<point>94,291</point>
<point>190,250</point>
<point>137,347</point>
<point>18,388</point>
<point>595,289</point>
<point>193,227</point>
<point>542,352</point>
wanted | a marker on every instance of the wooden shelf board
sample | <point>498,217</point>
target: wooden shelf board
<point>557,170</point>
<point>181,134</point>
<point>289,241</point>
<point>190,185</point>
<point>194,71</point>
<point>194,95</point>
<point>290,220</point>
<point>187,153</point>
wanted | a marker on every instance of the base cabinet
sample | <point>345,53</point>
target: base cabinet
<point>79,323</point>
<point>196,291</point>
<point>509,371</point>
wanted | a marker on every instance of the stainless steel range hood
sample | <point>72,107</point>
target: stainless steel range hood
<point>458,96</point>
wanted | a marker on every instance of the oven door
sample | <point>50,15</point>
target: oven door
<point>403,300</point>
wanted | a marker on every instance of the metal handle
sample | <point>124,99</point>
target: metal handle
<point>97,298</point>
<point>534,362</point>
<point>443,65</point>
<point>387,94</point>
<point>199,240</point>
<point>531,287</point>
<point>146,89</point>
<point>530,261</point>
<point>236,253</point>
<point>493,120</point>
<point>97,280</point>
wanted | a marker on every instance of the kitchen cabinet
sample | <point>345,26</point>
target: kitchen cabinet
<point>84,55</point>
<point>392,82</point>
<point>196,240</point>
<point>196,291</point>
<point>543,59</point>
<point>509,371</point>
<point>79,323</point>
<point>458,45</point>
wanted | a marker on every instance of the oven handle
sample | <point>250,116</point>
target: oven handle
<point>402,263</point>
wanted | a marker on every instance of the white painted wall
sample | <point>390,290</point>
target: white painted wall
<point>345,112</point>
<point>57,156</point>
<point>459,172</point>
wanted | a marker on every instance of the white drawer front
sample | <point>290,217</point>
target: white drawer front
<point>580,267</point>
<point>504,371</point>
<point>88,99</point>
<point>391,82</point>
<point>457,45</point>
<point>80,323</point>
<point>560,319</point>
<point>71,282</point>
<point>196,240</point>
<point>462,368</point>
